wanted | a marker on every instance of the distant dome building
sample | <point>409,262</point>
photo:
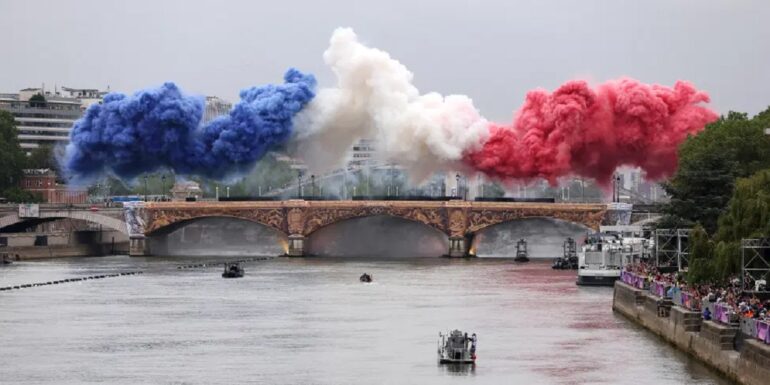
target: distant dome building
<point>186,189</point>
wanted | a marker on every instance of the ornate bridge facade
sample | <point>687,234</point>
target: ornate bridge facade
<point>298,219</point>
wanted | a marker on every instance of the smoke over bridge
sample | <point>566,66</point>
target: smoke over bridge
<point>578,129</point>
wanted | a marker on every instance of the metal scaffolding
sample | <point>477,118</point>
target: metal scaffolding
<point>672,248</point>
<point>755,264</point>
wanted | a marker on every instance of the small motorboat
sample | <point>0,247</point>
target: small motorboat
<point>456,347</point>
<point>232,270</point>
<point>521,251</point>
<point>569,259</point>
<point>366,278</point>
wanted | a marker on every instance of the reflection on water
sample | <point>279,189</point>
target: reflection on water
<point>310,321</point>
<point>457,369</point>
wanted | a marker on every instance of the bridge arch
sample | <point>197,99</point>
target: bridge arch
<point>478,220</point>
<point>381,235</point>
<point>545,237</point>
<point>229,236</point>
<point>161,222</point>
<point>316,221</point>
<point>47,216</point>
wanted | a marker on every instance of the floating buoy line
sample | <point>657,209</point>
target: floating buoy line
<point>92,277</point>
<point>212,264</point>
<point>69,280</point>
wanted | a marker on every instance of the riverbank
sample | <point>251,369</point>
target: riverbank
<point>722,347</point>
<point>64,251</point>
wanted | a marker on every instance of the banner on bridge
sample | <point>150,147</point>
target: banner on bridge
<point>29,210</point>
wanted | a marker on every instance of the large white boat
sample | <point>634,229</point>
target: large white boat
<point>599,260</point>
<point>604,254</point>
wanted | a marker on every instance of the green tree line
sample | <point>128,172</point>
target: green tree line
<point>722,190</point>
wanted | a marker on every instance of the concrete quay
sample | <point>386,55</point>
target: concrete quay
<point>724,348</point>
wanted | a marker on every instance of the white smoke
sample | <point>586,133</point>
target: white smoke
<point>375,99</point>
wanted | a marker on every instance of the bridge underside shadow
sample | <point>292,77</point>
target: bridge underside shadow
<point>216,236</point>
<point>544,236</point>
<point>377,236</point>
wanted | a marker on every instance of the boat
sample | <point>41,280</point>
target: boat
<point>232,270</point>
<point>600,260</point>
<point>605,253</point>
<point>521,251</point>
<point>456,347</point>
<point>569,258</point>
<point>365,278</point>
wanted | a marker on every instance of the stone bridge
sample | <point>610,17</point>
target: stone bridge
<point>111,218</point>
<point>298,219</point>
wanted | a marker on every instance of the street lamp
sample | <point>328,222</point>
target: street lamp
<point>145,188</point>
<point>457,178</point>
<point>228,191</point>
<point>616,188</point>
<point>163,186</point>
<point>312,185</point>
<point>299,183</point>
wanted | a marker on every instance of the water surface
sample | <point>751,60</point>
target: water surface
<point>309,321</point>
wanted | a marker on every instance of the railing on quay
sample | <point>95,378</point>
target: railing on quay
<point>659,289</point>
<point>720,312</point>
<point>634,280</point>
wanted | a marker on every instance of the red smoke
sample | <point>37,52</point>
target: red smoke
<point>579,131</point>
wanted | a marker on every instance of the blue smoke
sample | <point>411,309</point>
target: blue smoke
<point>160,129</point>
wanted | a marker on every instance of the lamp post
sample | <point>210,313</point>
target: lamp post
<point>299,183</point>
<point>616,188</point>
<point>228,191</point>
<point>312,185</point>
<point>216,192</point>
<point>145,188</point>
<point>457,178</point>
<point>163,186</point>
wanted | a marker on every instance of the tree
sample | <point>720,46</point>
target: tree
<point>16,195</point>
<point>37,100</point>
<point>702,250</point>
<point>42,157</point>
<point>12,157</point>
<point>746,216</point>
<point>709,163</point>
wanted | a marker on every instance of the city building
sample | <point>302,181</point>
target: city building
<point>44,117</point>
<point>186,189</point>
<point>44,183</point>
<point>215,107</point>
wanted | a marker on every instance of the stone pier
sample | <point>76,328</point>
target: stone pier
<point>296,246</point>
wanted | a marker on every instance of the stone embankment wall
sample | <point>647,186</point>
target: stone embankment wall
<point>722,347</point>
<point>21,246</point>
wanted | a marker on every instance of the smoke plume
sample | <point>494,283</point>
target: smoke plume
<point>580,131</point>
<point>375,99</point>
<point>160,128</point>
<point>576,130</point>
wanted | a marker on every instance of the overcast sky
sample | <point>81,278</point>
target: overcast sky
<point>493,51</point>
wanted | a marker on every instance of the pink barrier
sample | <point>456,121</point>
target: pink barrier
<point>632,279</point>
<point>763,331</point>
<point>722,313</point>
<point>658,288</point>
<point>690,302</point>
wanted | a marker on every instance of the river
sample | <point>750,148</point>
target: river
<point>309,321</point>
